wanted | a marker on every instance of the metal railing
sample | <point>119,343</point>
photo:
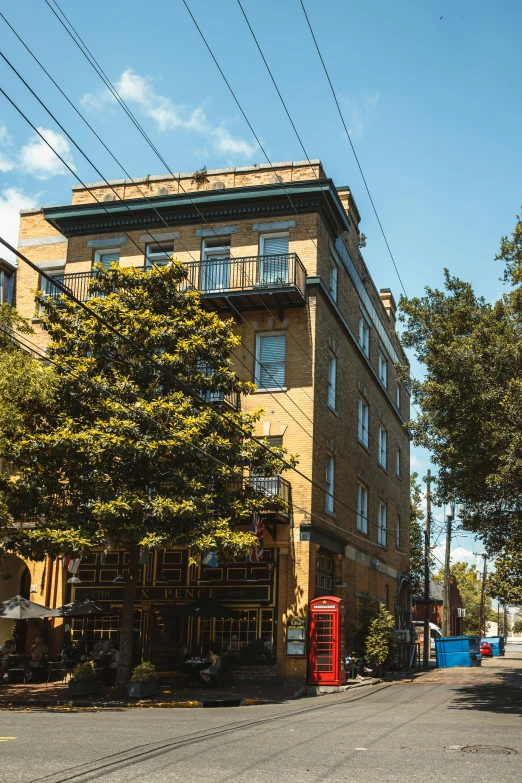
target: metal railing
<point>232,399</point>
<point>215,276</point>
<point>273,486</point>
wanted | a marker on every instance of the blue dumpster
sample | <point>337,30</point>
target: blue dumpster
<point>457,651</point>
<point>497,644</point>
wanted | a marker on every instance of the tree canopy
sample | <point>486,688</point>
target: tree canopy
<point>469,582</point>
<point>416,537</point>
<point>135,448</point>
<point>471,404</point>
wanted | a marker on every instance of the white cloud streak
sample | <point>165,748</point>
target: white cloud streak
<point>138,90</point>
<point>38,159</point>
<point>358,111</point>
<point>6,163</point>
<point>12,200</point>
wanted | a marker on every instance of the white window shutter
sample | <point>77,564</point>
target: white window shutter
<point>274,246</point>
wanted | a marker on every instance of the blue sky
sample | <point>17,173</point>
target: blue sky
<point>433,105</point>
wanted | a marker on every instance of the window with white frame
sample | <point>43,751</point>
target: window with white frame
<point>334,273</point>
<point>398,462</point>
<point>398,395</point>
<point>398,532</point>
<point>362,421</point>
<point>332,379</point>
<point>364,335</point>
<point>273,262</point>
<point>382,437</point>
<point>270,361</point>
<point>107,257</point>
<point>362,508</point>
<point>381,524</point>
<point>383,370</point>
<point>158,254</point>
<point>330,479</point>
<point>215,266</point>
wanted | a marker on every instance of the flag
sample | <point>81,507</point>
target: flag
<point>71,564</point>
<point>256,527</point>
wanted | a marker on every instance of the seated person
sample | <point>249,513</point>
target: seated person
<point>38,650</point>
<point>184,654</point>
<point>69,655</point>
<point>112,669</point>
<point>7,649</point>
<point>215,665</point>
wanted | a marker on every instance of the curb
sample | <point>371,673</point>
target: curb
<point>120,705</point>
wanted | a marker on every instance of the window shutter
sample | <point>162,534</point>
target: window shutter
<point>273,246</point>
<point>107,258</point>
<point>272,350</point>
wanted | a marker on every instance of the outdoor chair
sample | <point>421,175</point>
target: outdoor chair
<point>57,666</point>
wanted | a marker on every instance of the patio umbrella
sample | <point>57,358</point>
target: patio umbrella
<point>85,608</point>
<point>204,607</point>
<point>19,608</point>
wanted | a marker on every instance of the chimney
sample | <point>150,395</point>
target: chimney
<point>389,304</point>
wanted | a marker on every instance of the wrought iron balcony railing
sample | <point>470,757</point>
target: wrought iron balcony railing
<point>254,275</point>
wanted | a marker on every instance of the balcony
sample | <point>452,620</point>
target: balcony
<point>220,399</point>
<point>247,283</point>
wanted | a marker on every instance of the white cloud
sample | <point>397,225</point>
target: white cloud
<point>138,90</point>
<point>12,200</point>
<point>358,112</point>
<point>6,163</point>
<point>458,555</point>
<point>37,158</point>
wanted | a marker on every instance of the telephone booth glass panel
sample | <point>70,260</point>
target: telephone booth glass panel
<point>327,643</point>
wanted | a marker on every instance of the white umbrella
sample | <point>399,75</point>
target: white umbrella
<point>19,608</point>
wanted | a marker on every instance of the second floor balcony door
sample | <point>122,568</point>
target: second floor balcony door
<point>215,266</point>
<point>273,264</point>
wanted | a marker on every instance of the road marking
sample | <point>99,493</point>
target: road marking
<point>6,739</point>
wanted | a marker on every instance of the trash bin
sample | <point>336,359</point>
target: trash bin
<point>457,651</point>
<point>497,644</point>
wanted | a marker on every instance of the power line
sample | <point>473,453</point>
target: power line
<point>352,146</point>
<point>53,280</point>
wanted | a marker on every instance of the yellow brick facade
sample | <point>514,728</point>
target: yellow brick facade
<point>323,326</point>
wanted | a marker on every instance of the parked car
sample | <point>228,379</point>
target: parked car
<point>486,650</point>
<point>435,632</point>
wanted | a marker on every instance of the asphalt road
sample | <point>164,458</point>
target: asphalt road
<point>395,732</point>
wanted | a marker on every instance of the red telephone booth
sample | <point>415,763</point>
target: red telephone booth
<point>327,641</point>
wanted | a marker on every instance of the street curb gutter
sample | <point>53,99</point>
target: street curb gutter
<point>120,705</point>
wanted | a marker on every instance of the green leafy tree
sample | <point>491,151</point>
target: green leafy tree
<point>469,582</point>
<point>380,645</point>
<point>365,612</point>
<point>128,453</point>
<point>517,626</point>
<point>416,536</point>
<point>471,405</point>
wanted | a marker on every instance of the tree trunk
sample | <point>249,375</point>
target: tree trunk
<point>127,620</point>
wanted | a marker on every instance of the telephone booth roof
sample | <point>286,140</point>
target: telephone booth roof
<point>327,602</point>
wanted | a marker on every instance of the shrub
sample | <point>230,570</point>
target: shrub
<point>85,671</point>
<point>145,672</point>
<point>379,643</point>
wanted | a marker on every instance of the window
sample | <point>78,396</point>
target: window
<point>158,254</point>
<point>398,395</point>
<point>398,533</point>
<point>323,573</point>
<point>381,524</point>
<point>215,267</point>
<point>332,378</point>
<point>362,509</point>
<point>273,264</point>
<point>364,336</point>
<point>270,361</point>
<point>398,462</point>
<point>383,370</point>
<point>362,422</point>
<point>330,475</point>
<point>382,437</point>
<point>334,272</point>
<point>107,257</point>
<point>49,289</point>
<point>7,281</point>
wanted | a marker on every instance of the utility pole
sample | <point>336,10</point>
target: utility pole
<point>482,621</point>
<point>427,544</point>
<point>446,620</point>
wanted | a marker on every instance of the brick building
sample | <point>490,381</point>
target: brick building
<point>435,607</point>
<point>279,245</point>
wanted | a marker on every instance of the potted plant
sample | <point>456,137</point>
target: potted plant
<point>84,680</point>
<point>380,645</point>
<point>144,681</point>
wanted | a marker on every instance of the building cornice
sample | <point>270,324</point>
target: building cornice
<point>194,208</point>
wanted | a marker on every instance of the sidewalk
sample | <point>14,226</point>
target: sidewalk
<point>504,671</point>
<point>56,695</point>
